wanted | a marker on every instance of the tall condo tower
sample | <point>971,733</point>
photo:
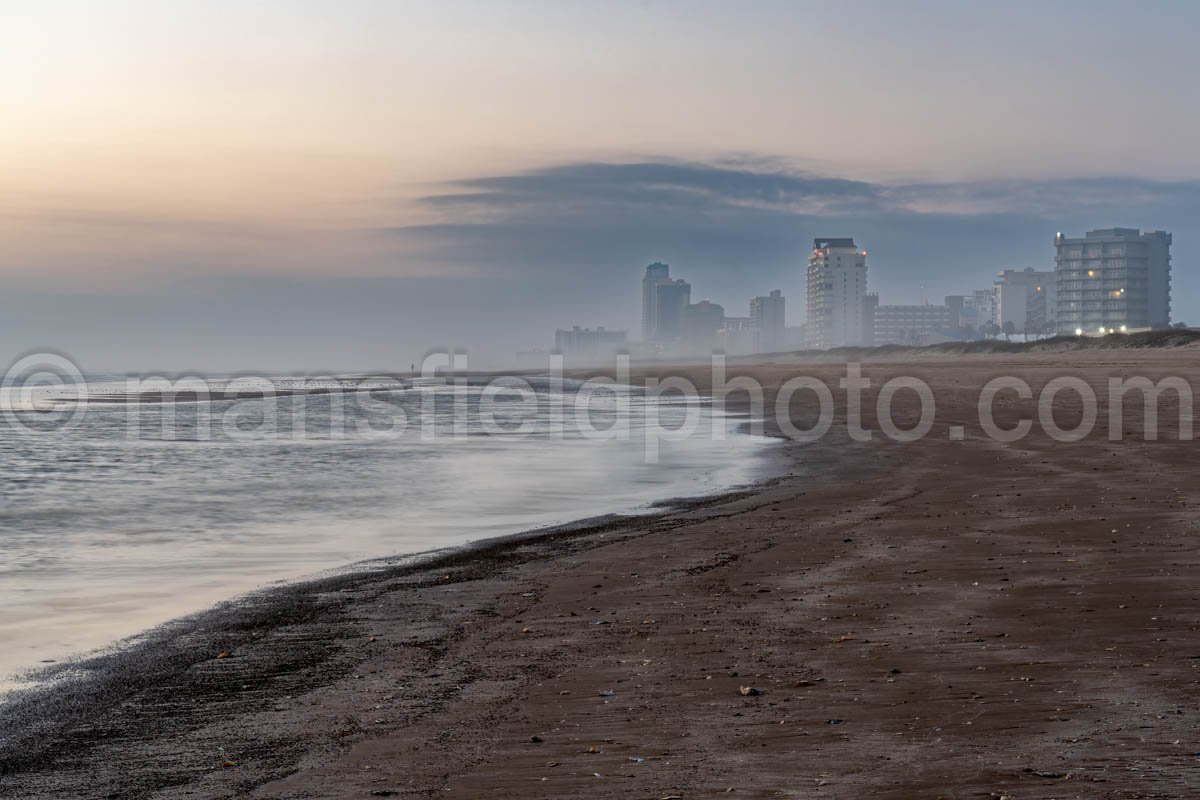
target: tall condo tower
<point>836,295</point>
<point>671,302</point>
<point>656,273</point>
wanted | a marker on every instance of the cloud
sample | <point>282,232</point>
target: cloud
<point>564,191</point>
<point>740,229</point>
<point>681,186</point>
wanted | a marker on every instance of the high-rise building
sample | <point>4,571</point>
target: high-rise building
<point>1015,290</point>
<point>656,273</point>
<point>701,322</point>
<point>836,294</point>
<point>671,300</point>
<point>1113,279</point>
<point>768,315</point>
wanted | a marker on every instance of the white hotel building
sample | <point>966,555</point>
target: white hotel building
<point>836,301</point>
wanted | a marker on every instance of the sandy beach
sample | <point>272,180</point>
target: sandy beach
<point>940,618</point>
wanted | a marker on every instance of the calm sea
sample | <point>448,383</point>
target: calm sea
<point>117,516</point>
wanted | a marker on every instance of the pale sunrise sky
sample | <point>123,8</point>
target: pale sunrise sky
<point>308,185</point>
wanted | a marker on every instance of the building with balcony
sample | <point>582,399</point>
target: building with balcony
<point>836,292</point>
<point>1113,280</point>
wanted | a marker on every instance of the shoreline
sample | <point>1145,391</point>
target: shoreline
<point>41,724</point>
<point>51,621</point>
<point>941,618</point>
<point>46,678</point>
<point>77,687</point>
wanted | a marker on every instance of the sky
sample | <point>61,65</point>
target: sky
<point>333,186</point>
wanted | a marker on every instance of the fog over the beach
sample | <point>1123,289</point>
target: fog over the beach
<point>271,186</point>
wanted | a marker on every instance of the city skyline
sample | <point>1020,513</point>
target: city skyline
<point>1112,280</point>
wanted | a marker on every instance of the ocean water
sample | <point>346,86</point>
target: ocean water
<point>116,516</point>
